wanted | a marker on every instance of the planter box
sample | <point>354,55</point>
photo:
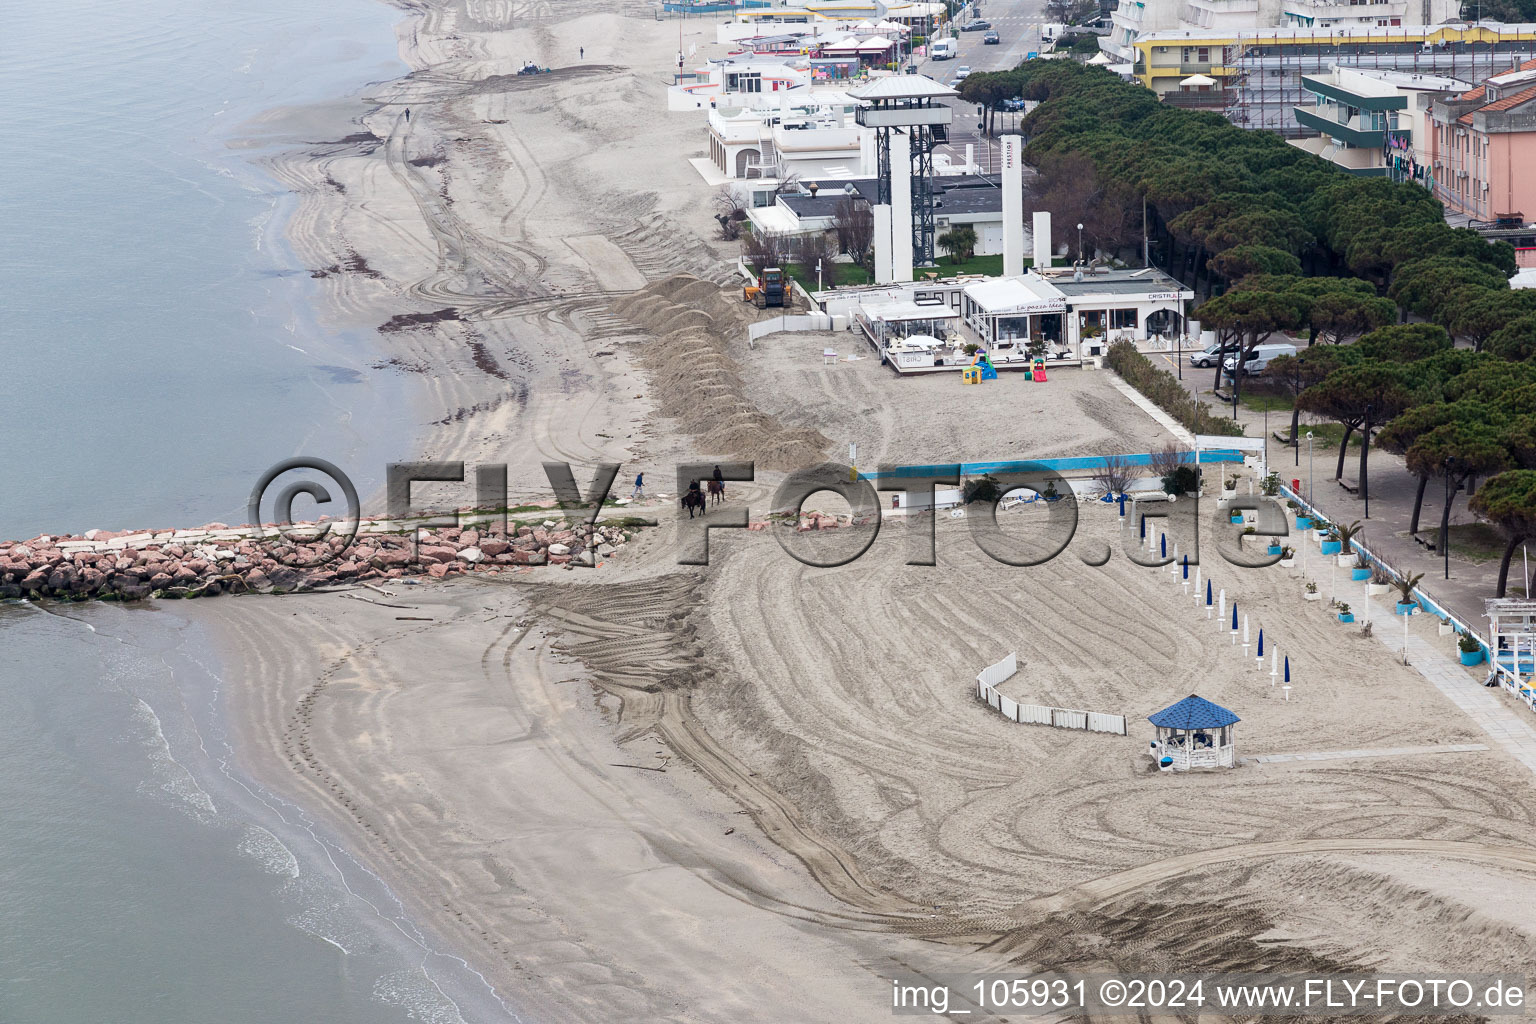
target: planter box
<point>1287,563</point>
<point>1303,522</point>
<point>1332,547</point>
<point>1346,558</point>
<point>1312,595</point>
<point>1236,519</point>
<point>1446,629</point>
<point>1227,493</point>
<point>1377,589</point>
<point>1346,616</point>
<point>1406,608</point>
<point>1359,574</point>
<point>1317,534</point>
<point>1473,657</point>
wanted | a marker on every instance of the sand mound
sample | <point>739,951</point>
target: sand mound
<point>697,381</point>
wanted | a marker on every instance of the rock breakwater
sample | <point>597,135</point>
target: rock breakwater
<point>218,559</point>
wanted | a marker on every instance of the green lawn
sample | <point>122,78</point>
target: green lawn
<point>844,274</point>
<point>1326,436</point>
<point>1263,402</point>
<point>1475,542</point>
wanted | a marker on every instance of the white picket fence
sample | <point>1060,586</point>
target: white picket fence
<point>1039,714</point>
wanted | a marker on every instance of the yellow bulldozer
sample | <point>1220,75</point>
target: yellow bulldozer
<point>769,290</point>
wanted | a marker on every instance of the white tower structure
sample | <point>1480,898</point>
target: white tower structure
<point>1013,205</point>
<point>906,113</point>
<point>901,208</point>
<point>1042,239</point>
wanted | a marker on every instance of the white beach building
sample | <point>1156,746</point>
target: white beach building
<point>1071,316</point>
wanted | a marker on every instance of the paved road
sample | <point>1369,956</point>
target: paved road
<point>1018,23</point>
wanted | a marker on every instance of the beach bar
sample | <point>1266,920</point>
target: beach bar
<point>1194,733</point>
<point>913,337</point>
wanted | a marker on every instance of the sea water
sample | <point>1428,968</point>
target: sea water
<point>146,880</point>
<point>160,350</point>
<point>159,341</point>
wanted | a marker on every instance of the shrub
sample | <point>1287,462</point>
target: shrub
<point>1165,391</point>
<point>982,488</point>
<point>1468,643</point>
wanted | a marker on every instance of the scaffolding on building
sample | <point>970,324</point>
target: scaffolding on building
<point>1263,84</point>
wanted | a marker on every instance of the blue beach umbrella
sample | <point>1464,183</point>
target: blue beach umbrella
<point>1122,506</point>
<point>1162,542</point>
<point>1208,599</point>
<point>1261,643</point>
<point>1143,527</point>
<point>1186,567</point>
<point>1287,668</point>
<point>1234,616</point>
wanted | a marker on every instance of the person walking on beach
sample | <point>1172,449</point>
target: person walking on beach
<point>639,491</point>
<point>581,52</point>
<point>407,115</point>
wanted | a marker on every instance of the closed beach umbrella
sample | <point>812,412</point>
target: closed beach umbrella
<point>1122,505</point>
<point>1287,668</point>
<point>1207,592</point>
<point>1162,546</point>
<point>1261,643</point>
<point>1234,616</point>
<point>1186,567</point>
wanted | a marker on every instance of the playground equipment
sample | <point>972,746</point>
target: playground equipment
<point>1036,371</point>
<point>979,370</point>
<point>768,291</point>
<point>530,68</point>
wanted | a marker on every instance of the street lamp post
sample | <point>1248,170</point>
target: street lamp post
<point>1445,518</point>
<point>1079,243</point>
<point>1365,445</point>
<point>1309,469</point>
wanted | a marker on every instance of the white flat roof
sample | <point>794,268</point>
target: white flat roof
<point>904,310</point>
<point>897,87</point>
<point>1016,295</point>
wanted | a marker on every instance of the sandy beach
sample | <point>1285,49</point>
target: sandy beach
<point>754,790</point>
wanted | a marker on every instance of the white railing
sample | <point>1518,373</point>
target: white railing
<point>1039,714</point>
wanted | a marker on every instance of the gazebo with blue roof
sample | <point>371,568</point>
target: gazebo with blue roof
<point>1194,733</point>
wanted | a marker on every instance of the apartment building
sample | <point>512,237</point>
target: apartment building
<point>1483,146</point>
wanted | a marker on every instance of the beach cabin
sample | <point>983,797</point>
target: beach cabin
<point>913,338</point>
<point>1512,640</point>
<point>1194,733</point>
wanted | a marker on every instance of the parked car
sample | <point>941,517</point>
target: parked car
<point>976,26</point>
<point>1012,103</point>
<point>1258,358</point>
<point>1208,356</point>
<point>962,73</point>
<point>943,49</point>
<point>991,38</point>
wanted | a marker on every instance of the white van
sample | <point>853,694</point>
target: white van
<point>1258,358</point>
<point>944,49</point>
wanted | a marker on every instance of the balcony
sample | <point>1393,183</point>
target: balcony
<point>1198,100</point>
<point>1357,131</point>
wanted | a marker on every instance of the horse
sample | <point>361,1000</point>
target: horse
<point>716,492</point>
<point>693,499</point>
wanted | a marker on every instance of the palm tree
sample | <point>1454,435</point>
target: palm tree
<point>1405,587</point>
<point>1347,534</point>
<point>959,242</point>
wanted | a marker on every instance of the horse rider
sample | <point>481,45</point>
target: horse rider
<point>720,481</point>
